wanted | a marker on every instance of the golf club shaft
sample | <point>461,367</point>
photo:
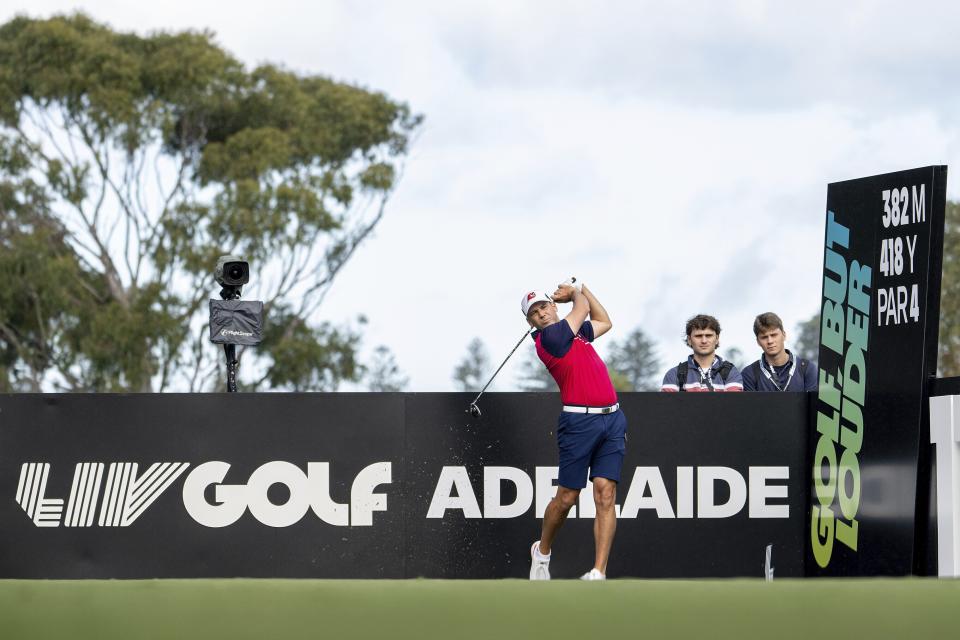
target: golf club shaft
<point>517,346</point>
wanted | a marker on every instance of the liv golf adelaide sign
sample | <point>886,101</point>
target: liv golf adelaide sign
<point>384,485</point>
<point>878,345</point>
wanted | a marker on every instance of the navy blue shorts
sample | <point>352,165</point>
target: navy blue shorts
<point>594,441</point>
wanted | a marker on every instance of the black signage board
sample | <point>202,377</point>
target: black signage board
<point>165,541</point>
<point>386,486</point>
<point>686,438</point>
<point>878,344</point>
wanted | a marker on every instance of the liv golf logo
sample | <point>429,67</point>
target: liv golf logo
<point>127,494</point>
<point>125,497</point>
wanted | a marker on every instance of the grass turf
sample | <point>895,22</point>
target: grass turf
<point>495,609</point>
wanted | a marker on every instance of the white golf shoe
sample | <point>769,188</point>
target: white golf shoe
<point>539,564</point>
<point>593,574</point>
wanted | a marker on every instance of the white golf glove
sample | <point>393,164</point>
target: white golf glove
<point>573,282</point>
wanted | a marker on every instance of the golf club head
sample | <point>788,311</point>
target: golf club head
<point>474,410</point>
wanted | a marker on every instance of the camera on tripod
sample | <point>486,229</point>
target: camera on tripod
<point>231,273</point>
<point>233,321</point>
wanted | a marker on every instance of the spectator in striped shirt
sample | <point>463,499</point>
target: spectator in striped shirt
<point>703,370</point>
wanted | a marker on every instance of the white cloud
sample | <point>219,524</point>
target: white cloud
<point>674,158</point>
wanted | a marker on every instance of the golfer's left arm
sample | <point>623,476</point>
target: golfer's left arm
<point>599,317</point>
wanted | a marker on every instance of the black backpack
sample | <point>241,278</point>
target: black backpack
<point>755,368</point>
<point>682,373</point>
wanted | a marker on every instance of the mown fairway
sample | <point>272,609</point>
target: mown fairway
<point>241,608</point>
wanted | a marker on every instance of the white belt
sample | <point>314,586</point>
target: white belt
<point>577,409</point>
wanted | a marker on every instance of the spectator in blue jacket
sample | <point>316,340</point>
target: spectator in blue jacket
<point>777,369</point>
<point>703,370</point>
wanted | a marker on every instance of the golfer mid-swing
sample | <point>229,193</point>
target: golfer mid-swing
<point>591,431</point>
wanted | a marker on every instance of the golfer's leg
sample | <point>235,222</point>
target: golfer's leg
<point>555,515</point>
<point>605,523</point>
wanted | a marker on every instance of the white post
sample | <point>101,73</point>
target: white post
<point>945,434</point>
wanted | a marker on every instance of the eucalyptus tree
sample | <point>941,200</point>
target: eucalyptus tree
<point>129,163</point>
<point>949,344</point>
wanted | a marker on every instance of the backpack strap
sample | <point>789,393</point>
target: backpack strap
<point>724,371</point>
<point>756,373</point>
<point>681,375</point>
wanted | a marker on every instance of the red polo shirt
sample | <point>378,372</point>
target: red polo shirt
<point>574,364</point>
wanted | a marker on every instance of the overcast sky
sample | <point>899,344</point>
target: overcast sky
<point>674,159</point>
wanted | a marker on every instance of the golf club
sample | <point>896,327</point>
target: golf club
<point>473,409</point>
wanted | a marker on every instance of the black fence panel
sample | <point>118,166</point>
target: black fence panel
<point>386,486</point>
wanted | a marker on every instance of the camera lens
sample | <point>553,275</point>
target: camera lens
<point>232,271</point>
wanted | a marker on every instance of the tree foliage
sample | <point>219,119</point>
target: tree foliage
<point>383,373</point>
<point>734,355</point>
<point>469,373</point>
<point>948,360</point>
<point>633,363</point>
<point>533,375</point>
<point>806,343</point>
<point>129,163</point>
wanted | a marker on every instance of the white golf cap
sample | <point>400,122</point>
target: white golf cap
<point>532,297</point>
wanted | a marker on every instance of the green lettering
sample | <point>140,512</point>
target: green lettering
<point>826,491</point>
<point>831,327</point>
<point>854,374</point>
<point>835,290</point>
<point>849,502</point>
<point>828,426</point>
<point>827,391</point>
<point>847,533</point>
<point>836,232</point>
<point>858,327</point>
<point>859,280</point>
<point>852,439</point>
<point>821,537</point>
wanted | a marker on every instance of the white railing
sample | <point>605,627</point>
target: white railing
<point>945,434</point>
